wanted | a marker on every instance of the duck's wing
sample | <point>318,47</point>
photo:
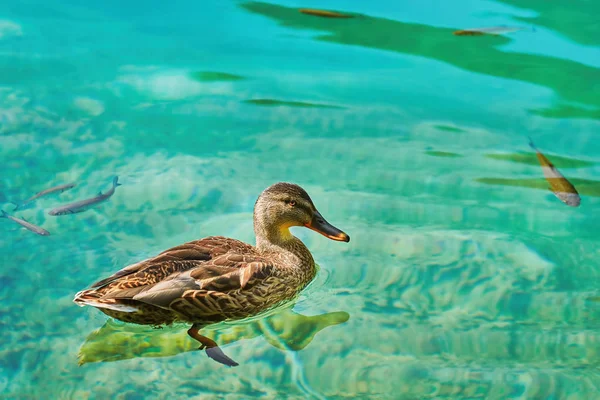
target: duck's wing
<point>197,250</point>
<point>213,264</point>
<point>220,275</point>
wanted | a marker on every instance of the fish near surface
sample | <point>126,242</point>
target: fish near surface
<point>324,13</point>
<point>55,189</point>
<point>494,30</point>
<point>83,205</point>
<point>559,185</point>
<point>27,225</point>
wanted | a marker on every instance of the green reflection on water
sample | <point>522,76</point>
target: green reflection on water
<point>578,21</point>
<point>586,187</point>
<point>285,330</point>
<point>531,159</point>
<point>570,80</point>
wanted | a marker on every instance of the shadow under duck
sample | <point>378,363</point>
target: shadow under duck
<point>217,278</point>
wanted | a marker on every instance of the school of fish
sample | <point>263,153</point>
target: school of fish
<point>71,208</point>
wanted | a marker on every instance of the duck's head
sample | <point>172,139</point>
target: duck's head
<point>284,205</point>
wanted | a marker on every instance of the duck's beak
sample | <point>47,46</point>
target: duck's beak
<point>318,224</point>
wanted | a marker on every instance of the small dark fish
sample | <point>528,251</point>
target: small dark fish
<point>324,13</point>
<point>494,30</point>
<point>559,185</point>
<point>83,205</point>
<point>25,224</point>
<point>55,189</point>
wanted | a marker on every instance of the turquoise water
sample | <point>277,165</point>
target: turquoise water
<point>465,277</point>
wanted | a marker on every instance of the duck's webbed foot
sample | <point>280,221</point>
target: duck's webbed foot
<point>212,349</point>
<point>217,354</point>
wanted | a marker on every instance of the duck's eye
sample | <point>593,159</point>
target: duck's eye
<point>291,203</point>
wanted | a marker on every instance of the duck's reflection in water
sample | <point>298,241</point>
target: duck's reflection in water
<point>284,330</point>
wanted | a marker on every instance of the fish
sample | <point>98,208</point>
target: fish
<point>324,13</point>
<point>494,30</point>
<point>55,189</point>
<point>84,205</point>
<point>559,185</point>
<point>27,225</point>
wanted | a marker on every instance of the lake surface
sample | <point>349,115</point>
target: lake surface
<point>465,276</point>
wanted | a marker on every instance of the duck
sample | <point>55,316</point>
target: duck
<point>215,279</point>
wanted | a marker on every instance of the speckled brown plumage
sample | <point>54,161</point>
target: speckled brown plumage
<point>217,278</point>
<point>204,281</point>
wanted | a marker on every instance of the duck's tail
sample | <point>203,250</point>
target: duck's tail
<point>93,298</point>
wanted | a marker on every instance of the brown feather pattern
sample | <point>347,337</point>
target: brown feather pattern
<point>203,282</point>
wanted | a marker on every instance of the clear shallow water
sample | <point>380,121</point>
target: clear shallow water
<point>465,278</point>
